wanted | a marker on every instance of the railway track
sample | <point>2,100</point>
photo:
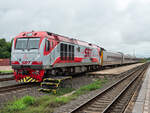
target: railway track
<point>6,79</point>
<point>16,87</point>
<point>115,98</point>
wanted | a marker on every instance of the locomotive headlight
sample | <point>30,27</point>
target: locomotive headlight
<point>14,56</point>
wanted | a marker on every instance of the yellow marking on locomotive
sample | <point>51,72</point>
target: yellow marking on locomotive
<point>33,80</point>
<point>29,80</point>
<point>24,80</point>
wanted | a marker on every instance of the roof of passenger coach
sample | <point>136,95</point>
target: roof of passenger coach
<point>114,52</point>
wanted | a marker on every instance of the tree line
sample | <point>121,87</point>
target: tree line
<point>5,49</point>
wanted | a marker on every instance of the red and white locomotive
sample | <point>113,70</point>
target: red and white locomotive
<point>36,55</point>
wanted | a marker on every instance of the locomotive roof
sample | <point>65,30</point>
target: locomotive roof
<point>71,40</point>
<point>57,37</point>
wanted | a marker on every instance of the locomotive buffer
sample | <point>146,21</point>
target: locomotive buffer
<point>53,83</point>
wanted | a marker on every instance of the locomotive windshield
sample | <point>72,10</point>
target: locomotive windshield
<point>27,43</point>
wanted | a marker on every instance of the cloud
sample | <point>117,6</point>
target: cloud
<point>135,31</point>
<point>116,25</point>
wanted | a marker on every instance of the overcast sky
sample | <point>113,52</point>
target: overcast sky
<point>117,25</point>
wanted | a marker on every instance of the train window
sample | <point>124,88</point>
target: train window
<point>78,49</point>
<point>114,57</point>
<point>66,52</point>
<point>61,47</point>
<point>65,47</point>
<point>47,45</point>
<point>61,51</point>
<point>21,43</point>
<point>33,43</point>
<point>70,52</point>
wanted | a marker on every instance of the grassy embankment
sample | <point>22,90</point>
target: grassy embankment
<point>6,72</point>
<point>47,103</point>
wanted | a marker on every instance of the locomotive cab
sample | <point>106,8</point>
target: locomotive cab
<point>26,57</point>
<point>26,52</point>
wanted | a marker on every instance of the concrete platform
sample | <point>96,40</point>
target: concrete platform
<point>115,71</point>
<point>142,104</point>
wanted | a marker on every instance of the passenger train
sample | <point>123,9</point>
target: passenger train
<point>36,55</point>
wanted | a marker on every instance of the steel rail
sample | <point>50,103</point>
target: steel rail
<point>137,70</point>
<point>125,89</point>
<point>16,87</point>
<point>6,79</point>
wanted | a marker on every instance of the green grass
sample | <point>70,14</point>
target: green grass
<point>3,72</point>
<point>18,105</point>
<point>93,86</point>
<point>62,91</point>
<point>47,103</point>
